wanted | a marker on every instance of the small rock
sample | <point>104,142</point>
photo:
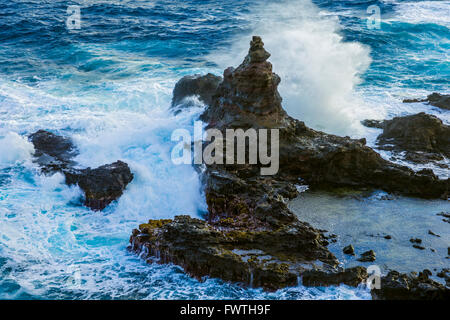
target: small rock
<point>415,240</point>
<point>368,256</point>
<point>418,247</point>
<point>349,250</point>
<point>388,237</point>
<point>433,234</point>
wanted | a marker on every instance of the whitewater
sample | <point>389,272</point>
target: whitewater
<point>109,85</point>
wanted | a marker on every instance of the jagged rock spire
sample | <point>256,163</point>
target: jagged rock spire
<point>257,53</point>
<point>248,95</point>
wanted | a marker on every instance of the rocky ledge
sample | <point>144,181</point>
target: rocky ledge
<point>435,99</point>
<point>399,286</point>
<point>101,186</point>
<point>249,234</point>
<point>424,137</point>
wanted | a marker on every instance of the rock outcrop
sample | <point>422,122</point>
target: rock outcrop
<point>435,99</point>
<point>101,186</point>
<point>424,137</point>
<point>201,86</point>
<point>398,286</point>
<point>52,152</point>
<point>249,234</point>
<point>268,258</point>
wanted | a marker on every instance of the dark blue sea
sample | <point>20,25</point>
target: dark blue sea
<point>108,85</point>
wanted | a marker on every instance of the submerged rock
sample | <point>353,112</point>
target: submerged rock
<point>398,286</point>
<point>435,99</point>
<point>202,86</point>
<point>101,185</point>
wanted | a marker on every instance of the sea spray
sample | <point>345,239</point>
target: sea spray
<point>319,70</point>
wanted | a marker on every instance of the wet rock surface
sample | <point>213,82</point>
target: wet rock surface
<point>249,234</point>
<point>435,99</point>
<point>202,86</point>
<point>268,258</point>
<point>101,186</point>
<point>398,286</point>
<point>424,137</point>
<point>351,277</point>
<point>52,152</point>
<point>368,256</point>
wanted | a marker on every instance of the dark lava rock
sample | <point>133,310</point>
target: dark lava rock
<point>435,99</point>
<point>250,235</point>
<point>397,286</point>
<point>349,250</point>
<point>368,256</point>
<point>202,86</point>
<point>53,153</point>
<point>352,277</point>
<point>445,273</point>
<point>101,185</point>
<point>433,234</point>
<point>269,258</point>
<point>388,237</point>
<point>445,215</point>
<point>415,240</point>
<point>416,133</point>
<point>373,123</point>
<point>418,247</point>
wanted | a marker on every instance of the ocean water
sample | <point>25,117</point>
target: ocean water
<point>108,86</point>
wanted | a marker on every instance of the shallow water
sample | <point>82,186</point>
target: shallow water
<point>364,220</point>
<point>108,86</point>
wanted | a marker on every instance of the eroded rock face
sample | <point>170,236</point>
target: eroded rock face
<point>398,286</point>
<point>202,86</point>
<point>101,185</point>
<point>248,95</point>
<point>435,99</point>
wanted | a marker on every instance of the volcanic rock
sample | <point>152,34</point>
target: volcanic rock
<point>398,286</point>
<point>249,234</point>
<point>368,256</point>
<point>435,99</point>
<point>101,185</point>
<point>201,86</point>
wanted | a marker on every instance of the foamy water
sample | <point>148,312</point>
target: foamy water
<point>109,89</point>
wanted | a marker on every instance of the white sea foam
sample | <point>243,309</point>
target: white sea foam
<point>418,12</point>
<point>318,70</point>
<point>13,149</point>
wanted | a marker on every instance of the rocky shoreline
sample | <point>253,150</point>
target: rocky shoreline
<point>249,235</point>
